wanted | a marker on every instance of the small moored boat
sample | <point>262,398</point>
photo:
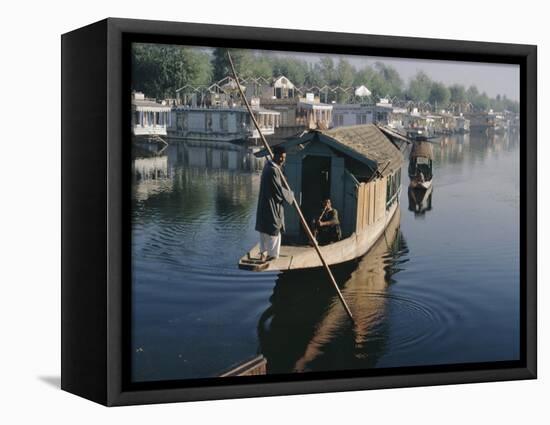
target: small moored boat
<point>359,169</point>
<point>421,165</point>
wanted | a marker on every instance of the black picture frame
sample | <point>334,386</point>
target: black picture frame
<point>95,210</point>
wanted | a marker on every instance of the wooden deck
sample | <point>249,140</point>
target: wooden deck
<point>303,257</point>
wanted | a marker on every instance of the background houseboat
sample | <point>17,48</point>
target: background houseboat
<point>359,169</point>
<point>150,119</point>
<point>221,124</point>
<point>486,123</point>
<point>298,114</point>
<point>347,114</point>
<point>462,125</point>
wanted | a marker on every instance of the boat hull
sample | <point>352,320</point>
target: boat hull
<point>305,257</point>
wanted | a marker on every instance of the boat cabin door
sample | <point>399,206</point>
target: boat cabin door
<point>316,179</point>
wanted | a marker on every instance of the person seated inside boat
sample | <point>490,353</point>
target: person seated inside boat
<point>326,228</point>
<point>270,217</point>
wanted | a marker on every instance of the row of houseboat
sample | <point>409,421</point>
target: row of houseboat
<point>283,112</point>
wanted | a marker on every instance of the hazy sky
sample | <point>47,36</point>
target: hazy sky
<point>488,77</point>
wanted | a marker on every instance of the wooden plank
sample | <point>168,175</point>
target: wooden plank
<point>366,200</point>
<point>252,367</point>
<point>372,199</point>
<point>360,208</point>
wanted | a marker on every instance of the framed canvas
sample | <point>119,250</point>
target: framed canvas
<point>252,211</point>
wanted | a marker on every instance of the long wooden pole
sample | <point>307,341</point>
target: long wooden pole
<point>285,183</point>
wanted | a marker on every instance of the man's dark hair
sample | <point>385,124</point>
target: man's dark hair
<point>278,150</point>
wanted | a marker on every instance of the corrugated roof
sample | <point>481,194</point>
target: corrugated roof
<point>149,105</point>
<point>369,142</point>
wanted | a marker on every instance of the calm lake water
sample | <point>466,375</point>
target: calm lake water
<point>441,287</point>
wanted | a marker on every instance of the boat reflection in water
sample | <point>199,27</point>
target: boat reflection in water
<point>151,175</point>
<point>420,200</point>
<point>306,328</point>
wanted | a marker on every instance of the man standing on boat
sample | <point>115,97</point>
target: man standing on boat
<point>270,216</point>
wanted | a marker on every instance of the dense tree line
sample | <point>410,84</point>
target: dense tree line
<point>159,70</point>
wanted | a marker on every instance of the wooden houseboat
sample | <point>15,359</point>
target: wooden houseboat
<point>298,114</point>
<point>382,113</point>
<point>221,124</point>
<point>421,165</point>
<point>359,169</point>
<point>443,123</point>
<point>150,119</point>
<point>415,121</point>
<point>487,123</point>
<point>347,114</point>
<point>462,125</point>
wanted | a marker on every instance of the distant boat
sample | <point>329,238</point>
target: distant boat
<point>421,165</point>
<point>359,169</point>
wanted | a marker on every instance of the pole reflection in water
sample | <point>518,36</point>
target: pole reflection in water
<point>306,329</point>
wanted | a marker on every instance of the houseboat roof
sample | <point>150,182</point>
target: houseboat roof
<point>147,105</point>
<point>282,81</point>
<point>364,143</point>
<point>370,143</point>
<point>240,109</point>
<point>305,104</point>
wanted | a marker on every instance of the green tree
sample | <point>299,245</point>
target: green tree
<point>159,70</point>
<point>345,74</point>
<point>471,94</point>
<point>420,87</point>
<point>294,69</point>
<point>313,76</point>
<point>327,70</point>
<point>393,84</point>
<point>440,95</point>
<point>242,59</point>
<point>482,102</point>
<point>369,78</point>
<point>261,67</point>
<point>458,93</point>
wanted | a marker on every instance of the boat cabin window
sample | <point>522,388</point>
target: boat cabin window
<point>393,183</point>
